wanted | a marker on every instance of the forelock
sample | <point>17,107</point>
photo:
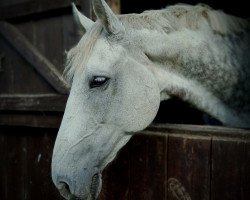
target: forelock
<point>78,56</point>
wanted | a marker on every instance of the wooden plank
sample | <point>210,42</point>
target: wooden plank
<point>86,7</point>
<point>115,5</point>
<point>49,41</point>
<point>33,56</point>
<point>30,119</point>
<point>188,167</point>
<point>148,167</point>
<point>139,169</point>
<point>246,175</point>
<point>201,130</point>
<point>38,164</point>
<point>36,102</point>
<point>229,170</point>
<point>13,10</point>
<point>2,167</point>
<point>12,162</point>
<point>17,74</point>
<point>116,177</point>
<point>27,163</point>
<point>12,2</point>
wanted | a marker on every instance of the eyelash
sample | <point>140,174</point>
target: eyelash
<point>98,81</point>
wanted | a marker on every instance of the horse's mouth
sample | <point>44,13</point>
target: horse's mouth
<point>65,191</point>
<point>93,192</point>
<point>95,186</point>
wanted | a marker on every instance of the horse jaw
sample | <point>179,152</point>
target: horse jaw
<point>98,123</point>
<point>79,158</point>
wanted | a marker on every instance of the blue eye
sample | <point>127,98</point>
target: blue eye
<point>98,81</point>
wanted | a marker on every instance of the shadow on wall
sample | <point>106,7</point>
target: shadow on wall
<point>178,112</point>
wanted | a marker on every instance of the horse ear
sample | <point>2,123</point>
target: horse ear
<point>110,21</point>
<point>83,22</point>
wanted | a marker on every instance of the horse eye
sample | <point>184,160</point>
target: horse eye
<point>98,81</point>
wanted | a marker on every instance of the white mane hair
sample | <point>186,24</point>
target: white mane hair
<point>172,18</point>
<point>79,54</point>
<point>179,16</point>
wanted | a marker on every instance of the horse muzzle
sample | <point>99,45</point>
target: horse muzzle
<point>68,191</point>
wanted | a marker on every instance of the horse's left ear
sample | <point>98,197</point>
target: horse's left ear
<point>109,20</point>
<point>84,23</point>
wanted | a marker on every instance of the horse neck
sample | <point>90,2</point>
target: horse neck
<point>188,54</point>
<point>195,66</point>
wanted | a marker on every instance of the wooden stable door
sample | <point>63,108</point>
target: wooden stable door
<point>164,162</point>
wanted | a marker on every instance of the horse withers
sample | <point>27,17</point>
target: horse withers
<point>125,65</point>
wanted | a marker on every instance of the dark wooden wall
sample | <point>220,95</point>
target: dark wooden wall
<point>25,157</point>
<point>174,162</point>
<point>164,162</point>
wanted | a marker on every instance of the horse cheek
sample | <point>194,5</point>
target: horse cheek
<point>144,105</point>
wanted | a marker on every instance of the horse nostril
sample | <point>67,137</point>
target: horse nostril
<point>64,190</point>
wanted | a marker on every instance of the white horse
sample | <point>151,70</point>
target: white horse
<point>122,68</point>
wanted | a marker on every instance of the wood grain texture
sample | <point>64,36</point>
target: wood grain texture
<point>31,119</point>
<point>169,162</point>
<point>13,9</point>
<point>115,6</point>
<point>148,157</point>
<point>18,76</point>
<point>189,164</point>
<point>25,170</point>
<point>35,102</point>
<point>34,57</point>
<point>116,177</point>
<point>153,165</point>
<point>229,170</point>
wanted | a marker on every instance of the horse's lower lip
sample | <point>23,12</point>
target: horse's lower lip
<point>95,185</point>
<point>63,188</point>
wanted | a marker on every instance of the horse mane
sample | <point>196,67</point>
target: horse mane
<point>172,18</point>
<point>176,17</point>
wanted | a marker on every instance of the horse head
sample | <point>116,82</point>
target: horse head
<point>123,66</point>
<point>112,96</point>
